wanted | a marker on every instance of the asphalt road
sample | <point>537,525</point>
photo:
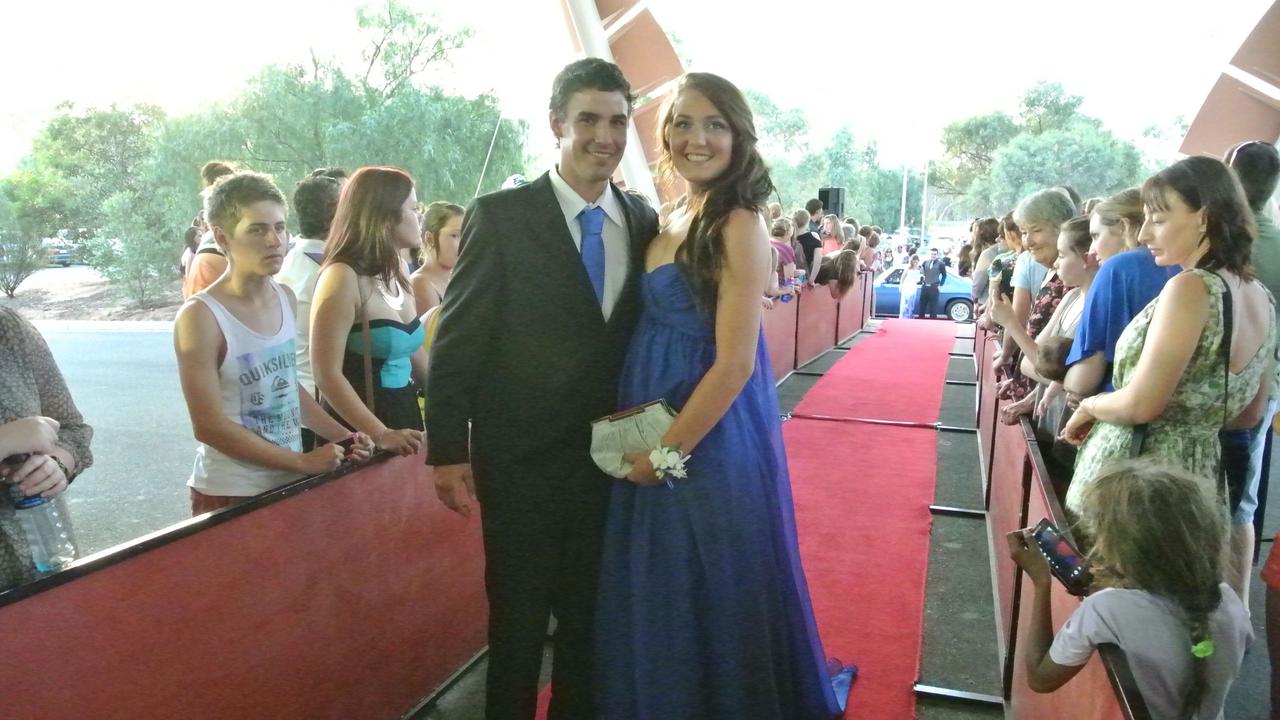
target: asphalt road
<point>125,381</point>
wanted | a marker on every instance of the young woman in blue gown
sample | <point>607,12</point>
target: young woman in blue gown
<point>704,611</point>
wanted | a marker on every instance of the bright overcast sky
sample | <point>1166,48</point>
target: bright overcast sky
<point>894,70</point>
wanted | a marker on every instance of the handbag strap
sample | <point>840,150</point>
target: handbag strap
<point>368,353</point>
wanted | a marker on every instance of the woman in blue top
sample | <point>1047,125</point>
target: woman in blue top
<point>1127,280</point>
<point>363,300</point>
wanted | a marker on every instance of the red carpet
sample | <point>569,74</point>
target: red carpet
<point>862,495</point>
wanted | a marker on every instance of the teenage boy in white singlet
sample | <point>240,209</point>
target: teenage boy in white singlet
<point>235,347</point>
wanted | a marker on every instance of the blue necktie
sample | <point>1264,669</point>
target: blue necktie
<point>591,220</point>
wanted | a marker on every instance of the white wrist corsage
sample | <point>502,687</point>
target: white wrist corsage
<point>668,463</point>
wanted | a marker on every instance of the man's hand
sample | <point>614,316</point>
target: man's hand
<point>455,486</point>
<point>323,459</point>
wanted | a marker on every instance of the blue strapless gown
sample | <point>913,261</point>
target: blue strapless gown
<point>704,611</point>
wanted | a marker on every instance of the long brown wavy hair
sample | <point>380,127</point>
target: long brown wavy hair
<point>1157,529</point>
<point>744,184</point>
<point>369,210</point>
<point>1205,183</point>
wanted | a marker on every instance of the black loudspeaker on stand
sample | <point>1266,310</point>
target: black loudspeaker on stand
<point>832,201</point>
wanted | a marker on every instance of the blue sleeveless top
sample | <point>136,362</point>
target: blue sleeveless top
<point>392,342</point>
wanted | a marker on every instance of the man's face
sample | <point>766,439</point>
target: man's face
<point>933,254</point>
<point>258,241</point>
<point>592,134</point>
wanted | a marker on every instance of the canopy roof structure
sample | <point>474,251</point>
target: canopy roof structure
<point>1244,103</point>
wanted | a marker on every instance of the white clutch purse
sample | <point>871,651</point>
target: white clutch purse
<point>637,429</point>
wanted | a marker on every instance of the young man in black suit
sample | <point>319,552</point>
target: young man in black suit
<point>532,335</point>
<point>933,273</point>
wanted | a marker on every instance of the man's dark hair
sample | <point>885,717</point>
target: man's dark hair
<point>336,173</point>
<point>315,200</point>
<point>213,170</point>
<point>1257,165</point>
<point>814,206</point>
<point>588,74</point>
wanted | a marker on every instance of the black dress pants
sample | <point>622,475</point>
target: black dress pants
<point>543,526</point>
<point>928,301</point>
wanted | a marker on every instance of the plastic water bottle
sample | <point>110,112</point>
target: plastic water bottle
<point>801,276</point>
<point>47,525</point>
<point>787,283</point>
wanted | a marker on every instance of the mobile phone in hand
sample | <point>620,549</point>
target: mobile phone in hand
<point>1065,561</point>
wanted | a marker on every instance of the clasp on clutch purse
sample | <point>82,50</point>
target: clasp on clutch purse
<point>637,410</point>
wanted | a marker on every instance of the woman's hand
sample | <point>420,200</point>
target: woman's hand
<point>33,434</point>
<point>1024,553</point>
<point>361,449</point>
<point>1000,310</point>
<point>1078,427</point>
<point>400,442</point>
<point>642,472</point>
<point>1047,397</point>
<point>37,475</point>
<point>766,302</point>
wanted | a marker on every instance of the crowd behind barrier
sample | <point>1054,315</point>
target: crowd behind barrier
<point>1020,493</point>
<point>799,331</point>
<point>380,617</point>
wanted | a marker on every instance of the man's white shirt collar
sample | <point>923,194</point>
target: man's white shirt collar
<point>572,204</point>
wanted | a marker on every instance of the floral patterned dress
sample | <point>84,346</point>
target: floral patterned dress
<point>1042,307</point>
<point>1186,434</point>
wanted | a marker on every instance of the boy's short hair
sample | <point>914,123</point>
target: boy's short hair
<point>1257,165</point>
<point>813,207</point>
<point>1051,357</point>
<point>225,202</point>
<point>215,169</point>
<point>588,74</point>
<point>315,200</point>
<point>336,173</point>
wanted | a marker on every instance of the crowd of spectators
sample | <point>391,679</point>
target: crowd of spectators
<point>1138,332</point>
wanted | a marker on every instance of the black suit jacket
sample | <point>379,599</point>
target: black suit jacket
<point>523,351</point>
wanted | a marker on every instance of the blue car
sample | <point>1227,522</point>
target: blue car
<point>954,297</point>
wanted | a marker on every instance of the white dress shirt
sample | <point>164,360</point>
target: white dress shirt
<point>617,258</point>
<point>300,273</point>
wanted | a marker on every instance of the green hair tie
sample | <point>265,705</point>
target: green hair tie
<point>1203,649</point>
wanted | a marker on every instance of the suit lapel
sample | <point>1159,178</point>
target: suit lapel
<point>637,242</point>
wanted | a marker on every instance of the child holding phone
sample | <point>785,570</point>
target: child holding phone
<point>1156,560</point>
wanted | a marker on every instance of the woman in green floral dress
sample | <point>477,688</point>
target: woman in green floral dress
<point>1168,370</point>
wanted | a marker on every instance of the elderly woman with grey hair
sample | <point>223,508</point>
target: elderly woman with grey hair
<point>1037,290</point>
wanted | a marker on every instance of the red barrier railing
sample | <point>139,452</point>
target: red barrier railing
<point>1020,493</point>
<point>815,324</point>
<point>779,323</point>
<point>799,331</point>
<point>348,596</point>
<point>852,311</point>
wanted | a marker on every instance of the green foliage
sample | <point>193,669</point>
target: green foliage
<point>1093,161</point>
<point>90,154</point>
<point>21,253</point>
<point>136,252</point>
<point>131,175</point>
<point>993,160</point>
<point>873,194</point>
<point>781,131</point>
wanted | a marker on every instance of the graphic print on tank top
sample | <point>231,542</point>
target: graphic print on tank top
<point>269,403</point>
